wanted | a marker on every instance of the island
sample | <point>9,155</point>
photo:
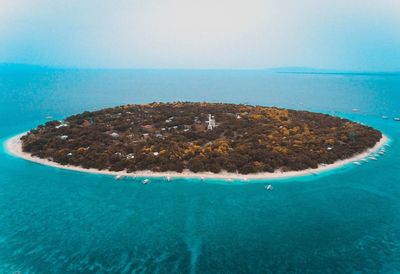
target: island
<point>198,138</point>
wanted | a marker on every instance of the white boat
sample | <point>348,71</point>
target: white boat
<point>268,187</point>
<point>384,117</point>
<point>229,180</point>
<point>397,119</point>
<point>168,178</point>
<point>365,160</point>
<point>357,163</point>
<point>146,181</point>
<point>118,177</point>
<point>373,158</point>
<point>381,152</point>
<point>202,178</point>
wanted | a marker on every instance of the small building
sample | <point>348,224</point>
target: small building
<point>114,135</point>
<point>61,125</point>
<point>169,120</point>
<point>147,126</point>
<point>64,137</point>
<point>86,123</point>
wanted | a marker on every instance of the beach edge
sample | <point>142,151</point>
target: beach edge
<point>13,146</point>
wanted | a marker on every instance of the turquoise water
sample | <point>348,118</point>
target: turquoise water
<point>59,221</point>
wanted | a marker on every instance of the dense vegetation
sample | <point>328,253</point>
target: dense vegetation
<point>174,137</point>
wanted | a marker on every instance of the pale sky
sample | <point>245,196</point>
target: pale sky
<point>333,34</point>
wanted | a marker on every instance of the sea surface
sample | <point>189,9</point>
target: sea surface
<point>60,221</point>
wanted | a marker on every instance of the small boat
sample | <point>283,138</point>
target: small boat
<point>229,180</point>
<point>384,117</point>
<point>146,181</point>
<point>365,160</point>
<point>381,152</point>
<point>168,178</point>
<point>355,110</point>
<point>373,158</point>
<point>118,177</point>
<point>49,117</point>
<point>357,163</point>
<point>397,119</point>
<point>268,187</point>
<point>202,178</point>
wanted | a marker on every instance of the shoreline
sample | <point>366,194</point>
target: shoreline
<point>14,147</point>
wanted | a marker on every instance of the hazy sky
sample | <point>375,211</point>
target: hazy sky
<point>337,34</point>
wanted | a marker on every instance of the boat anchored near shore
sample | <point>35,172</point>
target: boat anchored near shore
<point>268,187</point>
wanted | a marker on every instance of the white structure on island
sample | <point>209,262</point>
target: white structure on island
<point>114,135</point>
<point>211,122</point>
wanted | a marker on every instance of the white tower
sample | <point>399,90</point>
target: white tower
<point>211,122</point>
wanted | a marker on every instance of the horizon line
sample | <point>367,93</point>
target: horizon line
<point>282,69</point>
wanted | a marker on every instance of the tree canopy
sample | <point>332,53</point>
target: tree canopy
<point>174,137</point>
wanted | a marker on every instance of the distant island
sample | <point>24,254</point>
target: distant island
<point>199,138</point>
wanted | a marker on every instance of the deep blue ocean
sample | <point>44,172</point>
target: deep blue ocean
<point>59,221</point>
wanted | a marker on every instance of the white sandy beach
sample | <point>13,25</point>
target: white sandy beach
<point>14,146</point>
